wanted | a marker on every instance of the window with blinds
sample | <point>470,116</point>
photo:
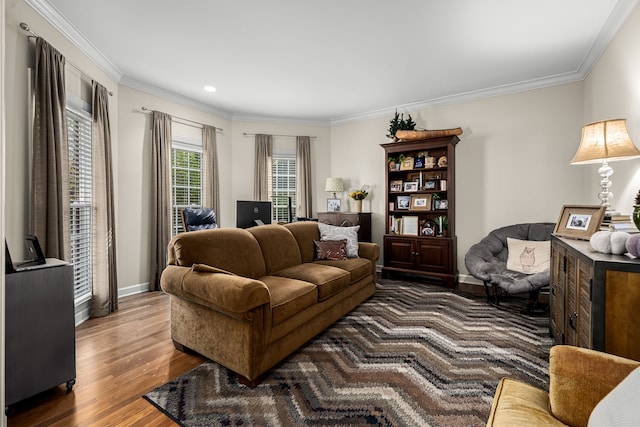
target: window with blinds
<point>186,172</point>
<point>80,172</point>
<point>283,186</point>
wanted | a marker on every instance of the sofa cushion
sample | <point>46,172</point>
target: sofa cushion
<point>329,280</point>
<point>335,250</point>
<point>305,232</point>
<point>519,404</point>
<point>359,268</point>
<point>279,247</point>
<point>219,248</point>
<point>332,232</point>
<point>289,296</point>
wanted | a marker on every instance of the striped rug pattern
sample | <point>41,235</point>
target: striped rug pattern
<point>412,355</point>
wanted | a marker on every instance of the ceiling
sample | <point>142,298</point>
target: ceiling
<point>332,61</point>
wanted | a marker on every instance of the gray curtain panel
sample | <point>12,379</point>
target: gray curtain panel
<point>264,148</point>
<point>160,195</point>
<point>211,185</point>
<point>50,208</point>
<point>105,280</point>
<point>303,176</point>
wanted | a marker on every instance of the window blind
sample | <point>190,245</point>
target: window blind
<point>80,173</point>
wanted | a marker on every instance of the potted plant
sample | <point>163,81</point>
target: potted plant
<point>636,211</point>
<point>392,161</point>
<point>443,224</point>
<point>398,122</point>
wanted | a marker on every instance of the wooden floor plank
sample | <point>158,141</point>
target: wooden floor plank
<point>119,358</point>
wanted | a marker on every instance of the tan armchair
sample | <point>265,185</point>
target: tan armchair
<point>579,379</point>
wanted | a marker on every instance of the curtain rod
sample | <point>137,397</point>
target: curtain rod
<point>26,28</point>
<point>190,122</point>
<point>282,136</point>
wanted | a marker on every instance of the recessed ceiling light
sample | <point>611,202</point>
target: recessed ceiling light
<point>210,88</point>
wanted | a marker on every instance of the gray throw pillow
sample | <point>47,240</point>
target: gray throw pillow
<point>331,232</point>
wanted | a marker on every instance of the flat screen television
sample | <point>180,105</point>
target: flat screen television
<point>250,213</point>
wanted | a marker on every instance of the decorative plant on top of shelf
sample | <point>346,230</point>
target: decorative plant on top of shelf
<point>398,122</point>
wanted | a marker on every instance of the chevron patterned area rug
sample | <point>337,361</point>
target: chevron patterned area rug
<point>412,355</point>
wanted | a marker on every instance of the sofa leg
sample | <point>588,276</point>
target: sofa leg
<point>250,383</point>
<point>182,348</point>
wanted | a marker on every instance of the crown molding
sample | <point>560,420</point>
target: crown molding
<point>282,120</point>
<point>53,17</point>
<point>463,97</point>
<point>612,25</point>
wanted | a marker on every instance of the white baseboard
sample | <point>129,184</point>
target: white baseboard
<point>132,290</point>
<point>82,309</point>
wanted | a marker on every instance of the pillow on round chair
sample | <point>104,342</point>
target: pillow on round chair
<point>528,256</point>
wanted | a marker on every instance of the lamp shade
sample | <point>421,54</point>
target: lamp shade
<point>607,140</point>
<point>333,184</point>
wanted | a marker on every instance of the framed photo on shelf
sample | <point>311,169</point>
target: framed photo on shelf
<point>395,186</point>
<point>428,228</point>
<point>441,204</point>
<point>333,205</point>
<point>579,222</point>
<point>410,225</point>
<point>407,164</point>
<point>420,202</point>
<point>403,202</point>
<point>429,185</point>
<point>411,186</point>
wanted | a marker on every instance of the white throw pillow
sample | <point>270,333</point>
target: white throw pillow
<point>331,232</point>
<point>620,407</point>
<point>528,256</point>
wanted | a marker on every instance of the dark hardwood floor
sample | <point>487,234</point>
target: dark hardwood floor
<point>118,359</point>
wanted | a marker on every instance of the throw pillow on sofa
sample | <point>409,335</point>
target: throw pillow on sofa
<point>332,232</point>
<point>334,250</point>
<point>620,407</point>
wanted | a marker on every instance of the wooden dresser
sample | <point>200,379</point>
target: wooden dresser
<point>595,298</point>
<point>349,219</point>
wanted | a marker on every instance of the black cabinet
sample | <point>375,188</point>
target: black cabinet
<point>40,330</point>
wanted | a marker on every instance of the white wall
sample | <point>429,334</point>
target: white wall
<point>512,161</point>
<point>612,90</point>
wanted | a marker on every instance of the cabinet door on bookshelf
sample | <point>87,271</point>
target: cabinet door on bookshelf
<point>399,252</point>
<point>434,255</point>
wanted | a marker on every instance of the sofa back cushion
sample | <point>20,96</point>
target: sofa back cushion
<point>305,232</point>
<point>279,247</point>
<point>231,249</point>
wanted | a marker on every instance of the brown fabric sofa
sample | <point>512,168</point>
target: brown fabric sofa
<point>579,379</point>
<point>249,298</point>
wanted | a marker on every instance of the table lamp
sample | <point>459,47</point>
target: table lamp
<point>604,142</point>
<point>333,185</point>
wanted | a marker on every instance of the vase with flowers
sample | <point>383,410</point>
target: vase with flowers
<point>358,196</point>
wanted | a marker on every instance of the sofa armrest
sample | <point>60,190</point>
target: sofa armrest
<point>370,251</point>
<point>215,288</point>
<point>579,378</point>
